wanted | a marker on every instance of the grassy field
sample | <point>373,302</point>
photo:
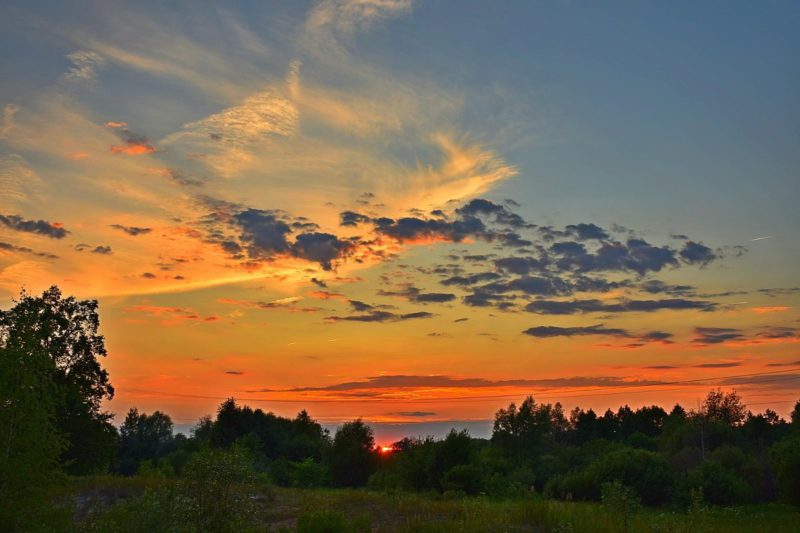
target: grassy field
<point>133,504</point>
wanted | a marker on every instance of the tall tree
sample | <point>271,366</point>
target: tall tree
<point>30,443</point>
<point>65,331</point>
<point>352,456</point>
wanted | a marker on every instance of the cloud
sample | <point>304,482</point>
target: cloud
<point>705,336</point>
<point>785,380</point>
<point>12,248</point>
<point>379,316</point>
<point>403,381</point>
<point>171,315</point>
<point>659,287</point>
<point>54,230</point>
<point>585,232</point>
<point>521,265</point>
<point>322,248</point>
<point>414,414</point>
<point>635,255</point>
<point>770,309</point>
<point>133,231</point>
<point>719,365</point>
<point>347,16</point>
<point>789,363</point>
<point>102,250</point>
<point>85,65</point>
<point>9,111</point>
<point>471,279</point>
<point>780,291</point>
<point>257,119</point>
<point>696,253</point>
<point>414,294</point>
<point>287,304</point>
<point>553,307</point>
<point>265,234</point>
<point>133,143</point>
<point>470,221</point>
<point>555,331</point>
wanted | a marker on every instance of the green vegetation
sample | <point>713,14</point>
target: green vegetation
<point>720,468</point>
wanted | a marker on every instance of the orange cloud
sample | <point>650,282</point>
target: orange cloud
<point>324,295</point>
<point>172,315</point>
<point>770,309</point>
<point>133,148</point>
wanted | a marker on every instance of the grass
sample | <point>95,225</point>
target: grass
<point>437,513</point>
<point>125,503</point>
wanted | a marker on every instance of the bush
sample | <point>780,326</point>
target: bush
<point>785,460</point>
<point>720,485</point>
<point>213,488</point>
<point>308,474</point>
<point>645,472</point>
<point>467,478</point>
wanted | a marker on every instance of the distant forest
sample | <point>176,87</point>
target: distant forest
<point>52,426</point>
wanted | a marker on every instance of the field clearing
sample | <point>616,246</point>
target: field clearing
<point>279,509</point>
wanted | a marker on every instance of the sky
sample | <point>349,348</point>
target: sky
<point>411,212</point>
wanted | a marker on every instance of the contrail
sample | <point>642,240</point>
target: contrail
<point>761,238</point>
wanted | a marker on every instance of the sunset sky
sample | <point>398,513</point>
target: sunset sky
<point>411,212</point>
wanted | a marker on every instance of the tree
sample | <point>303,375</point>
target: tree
<point>30,443</point>
<point>65,330</point>
<point>143,437</point>
<point>455,450</point>
<point>724,407</point>
<point>352,456</point>
<point>521,432</point>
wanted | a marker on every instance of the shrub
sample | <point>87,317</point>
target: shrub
<point>309,474</point>
<point>467,478</point>
<point>720,485</point>
<point>213,488</point>
<point>622,502</point>
<point>785,459</point>
<point>645,472</point>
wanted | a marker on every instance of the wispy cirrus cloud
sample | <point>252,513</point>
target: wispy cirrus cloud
<point>85,64</point>
<point>171,315</point>
<point>9,111</point>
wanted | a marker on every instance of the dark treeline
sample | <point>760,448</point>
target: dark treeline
<point>52,425</point>
<point>721,453</point>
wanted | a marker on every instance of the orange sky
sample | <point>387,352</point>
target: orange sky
<point>329,206</point>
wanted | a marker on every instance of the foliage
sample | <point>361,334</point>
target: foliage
<point>143,437</point>
<point>66,330</point>
<point>352,455</point>
<point>785,457</point>
<point>213,487</point>
<point>720,485</point>
<point>621,501</point>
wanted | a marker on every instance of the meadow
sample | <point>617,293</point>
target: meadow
<point>143,504</point>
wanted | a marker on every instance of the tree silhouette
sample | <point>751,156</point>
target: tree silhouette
<point>65,331</point>
<point>352,455</point>
<point>143,437</point>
